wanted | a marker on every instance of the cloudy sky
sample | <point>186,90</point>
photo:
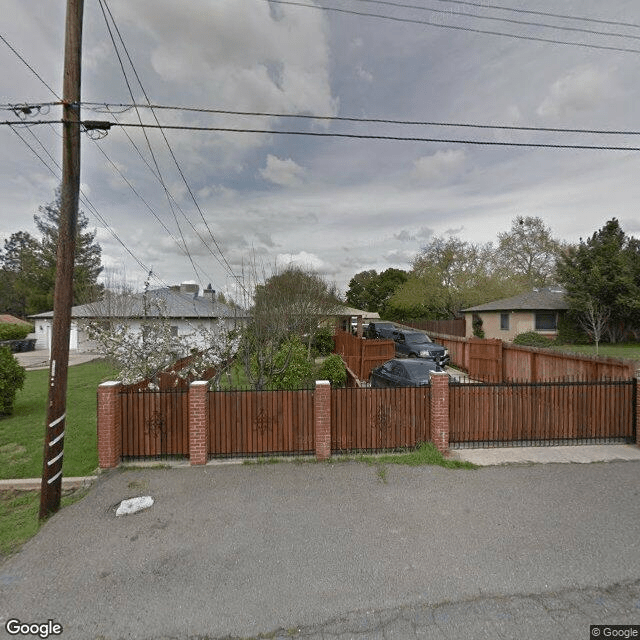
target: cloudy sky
<point>339,205</point>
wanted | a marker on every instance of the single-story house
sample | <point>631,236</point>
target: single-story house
<point>182,305</point>
<point>537,310</point>
<point>353,320</point>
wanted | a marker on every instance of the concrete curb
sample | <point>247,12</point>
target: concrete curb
<point>33,484</point>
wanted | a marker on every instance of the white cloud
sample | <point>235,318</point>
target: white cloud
<point>286,173</point>
<point>581,89</point>
<point>439,167</point>
<point>303,259</point>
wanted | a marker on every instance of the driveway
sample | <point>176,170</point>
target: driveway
<point>40,358</point>
<point>239,550</point>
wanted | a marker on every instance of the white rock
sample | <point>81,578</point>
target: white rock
<point>133,505</point>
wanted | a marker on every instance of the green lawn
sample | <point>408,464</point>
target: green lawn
<point>19,516</point>
<point>628,350</point>
<point>22,434</point>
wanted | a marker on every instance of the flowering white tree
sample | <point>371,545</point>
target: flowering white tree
<point>218,347</point>
<point>144,353</point>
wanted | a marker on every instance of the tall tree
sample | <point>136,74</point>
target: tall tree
<point>528,250</point>
<point>370,291</point>
<point>18,273</point>
<point>88,255</point>
<point>603,273</point>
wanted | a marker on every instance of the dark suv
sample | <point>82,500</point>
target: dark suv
<point>415,344</point>
<point>384,330</point>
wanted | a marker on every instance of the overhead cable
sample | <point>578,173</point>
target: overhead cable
<point>456,27</point>
<point>318,134</point>
<point>97,106</point>
<point>527,23</point>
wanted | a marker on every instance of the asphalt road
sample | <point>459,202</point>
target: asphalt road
<point>338,550</point>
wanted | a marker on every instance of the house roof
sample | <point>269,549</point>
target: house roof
<point>8,319</point>
<point>551,298</point>
<point>350,311</point>
<point>176,304</point>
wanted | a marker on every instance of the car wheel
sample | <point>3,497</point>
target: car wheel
<point>413,355</point>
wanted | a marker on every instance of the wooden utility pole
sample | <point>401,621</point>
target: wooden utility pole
<point>63,293</point>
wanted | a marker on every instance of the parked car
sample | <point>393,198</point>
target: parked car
<point>415,344</point>
<point>384,330</point>
<point>403,373</point>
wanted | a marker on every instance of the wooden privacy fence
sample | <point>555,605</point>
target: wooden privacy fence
<point>199,423</point>
<point>377,419</point>
<point>360,355</point>
<point>497,361</point>
<point>154,423</point>
<point>542,413</point>
<point>456,327</point>
<point>260,422</point>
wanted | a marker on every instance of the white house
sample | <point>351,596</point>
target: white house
<point>181,305</point>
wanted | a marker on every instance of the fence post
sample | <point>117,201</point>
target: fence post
<point>322,419</point>
<point>198,422</point>
<point>109,425</point>
<point>440,411</point>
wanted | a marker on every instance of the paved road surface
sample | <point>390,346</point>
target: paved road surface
<point>339,550</point>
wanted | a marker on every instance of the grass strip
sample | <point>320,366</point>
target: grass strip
<point>22,434</point>
<point>19,516</point>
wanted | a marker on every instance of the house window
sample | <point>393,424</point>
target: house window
<point>546,321</point>
<point>174,332</point>
<point>504,321</point>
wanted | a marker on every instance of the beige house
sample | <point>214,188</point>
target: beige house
<point>537,310</point>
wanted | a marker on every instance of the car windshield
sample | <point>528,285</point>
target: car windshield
<point>419,369</point>
<point>418,338</point>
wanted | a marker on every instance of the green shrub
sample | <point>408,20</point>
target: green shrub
<point>323,343</point>
<point>333,370</point>
<point>569,332</point>
<point>14,331</point>
<point>532,339</point>
<point>12,377</point>
<point>297,372</point>
<point>478,331</point>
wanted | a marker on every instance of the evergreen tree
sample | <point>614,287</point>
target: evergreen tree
<point>88,255</point>
<point>603,273</point>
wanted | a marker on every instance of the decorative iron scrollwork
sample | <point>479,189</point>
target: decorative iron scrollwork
<point>263,421</point>
<point>156,425</point>
<point>383,423</point>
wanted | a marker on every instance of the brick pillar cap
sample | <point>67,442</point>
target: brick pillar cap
<point>439,373</point>
<point>322,383</point>
<point>199,383</point>
<point>109,383</point>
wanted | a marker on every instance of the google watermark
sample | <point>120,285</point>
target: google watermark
<point>614,631</point>
<point>15,627</point>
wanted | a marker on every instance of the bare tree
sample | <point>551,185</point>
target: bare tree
<point>594,319</point>
<point>292,301</point>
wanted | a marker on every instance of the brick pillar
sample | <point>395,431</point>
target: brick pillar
<point>322,419</point>
<point>109,426</point>
<point>440,411</point>
<point>199,422</point>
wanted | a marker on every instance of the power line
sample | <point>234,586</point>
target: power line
<point>388,138</point>
<point>542,13</point>
<point>95,106</point>
<point>362,136</point>
<point>455,27</point>
<point>37,75</point>
<point>175,160</point>
<point>159,174</point>
<point>476,16</point>
<point>28,124</point>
